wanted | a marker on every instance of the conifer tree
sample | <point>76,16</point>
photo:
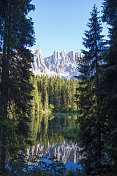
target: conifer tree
<point>57,94</point>
<point>109,83</point>
<point>89,96</point>
<point>74,87</point>
<point>16,33</point>
<point>51,90</point>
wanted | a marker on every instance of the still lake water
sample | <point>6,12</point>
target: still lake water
<point>50,141</point>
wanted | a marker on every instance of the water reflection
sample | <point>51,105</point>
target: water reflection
<point>50,141</point>
<point>62,152</point>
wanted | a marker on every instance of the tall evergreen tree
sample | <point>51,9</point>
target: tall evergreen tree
<point>89,96</point>
<point>109,82</point>
<point>51,90</point>
<point>16,34</point>
<point>74,87</point>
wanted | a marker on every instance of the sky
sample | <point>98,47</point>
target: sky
<point>60,24</point>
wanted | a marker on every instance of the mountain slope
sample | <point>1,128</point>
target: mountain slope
<point>59,64</point>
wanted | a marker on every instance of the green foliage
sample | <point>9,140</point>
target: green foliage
<point>16,33</point>
<point>110,12</point>
<point>97,97</point>
<point>72,132</point>
<point>109,83</point>
<point>96,93</point>
<point>90,121</point>
<point>56,94</point>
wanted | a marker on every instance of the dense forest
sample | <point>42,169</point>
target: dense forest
<point>53,95</point>
<point>93,96</point>
<point>98,94</point>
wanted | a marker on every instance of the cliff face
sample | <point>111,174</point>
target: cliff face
<point>59,64</point>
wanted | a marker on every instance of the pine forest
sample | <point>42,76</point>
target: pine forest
<point>50,126</point>
<point>53,94</point>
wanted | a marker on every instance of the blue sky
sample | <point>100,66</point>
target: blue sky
<point>60,24</point>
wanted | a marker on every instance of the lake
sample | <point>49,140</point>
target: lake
<point>49,141</point>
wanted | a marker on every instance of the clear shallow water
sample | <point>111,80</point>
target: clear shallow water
<point>51,142</point>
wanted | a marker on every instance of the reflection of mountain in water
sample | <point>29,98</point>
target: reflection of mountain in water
<point>62,152</point>
<point>50,142</point>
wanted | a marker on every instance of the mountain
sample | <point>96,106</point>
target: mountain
<point>59,64</point>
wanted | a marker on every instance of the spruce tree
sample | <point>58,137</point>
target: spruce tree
<point>89,96</point>
<point>109,83</point>
<point>16,34</point>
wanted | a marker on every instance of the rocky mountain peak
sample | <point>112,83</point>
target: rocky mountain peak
<point>59,64</point>
<point>56,54</point>
<point>63,53</point>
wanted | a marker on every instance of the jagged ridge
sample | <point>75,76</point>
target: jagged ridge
<point>59,64</point>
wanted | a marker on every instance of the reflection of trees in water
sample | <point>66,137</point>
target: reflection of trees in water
<point>49,131</point>
<point>35,126</point>
<point>49,141</point>
<point>47,128</point>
